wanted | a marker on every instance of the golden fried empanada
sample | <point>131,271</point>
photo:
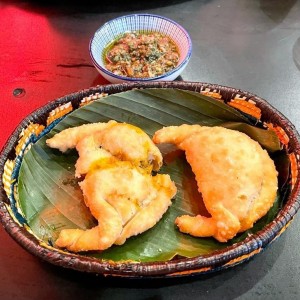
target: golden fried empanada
<point>125,200</point>
<point>117,160</point>
<point>236,177</point>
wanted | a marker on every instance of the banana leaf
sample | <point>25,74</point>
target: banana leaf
<point>51,200</point>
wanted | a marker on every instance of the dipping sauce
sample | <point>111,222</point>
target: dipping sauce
<point>141,55</point>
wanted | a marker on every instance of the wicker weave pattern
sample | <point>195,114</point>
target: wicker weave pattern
<point>215,261</point>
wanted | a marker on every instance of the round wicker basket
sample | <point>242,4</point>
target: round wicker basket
<point>215,261</point>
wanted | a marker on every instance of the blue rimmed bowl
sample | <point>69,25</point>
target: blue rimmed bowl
<point>111,30</point>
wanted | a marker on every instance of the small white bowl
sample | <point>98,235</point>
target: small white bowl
<point>140,22</point>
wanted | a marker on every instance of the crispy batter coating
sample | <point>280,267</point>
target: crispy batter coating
<point>117,160</point>
<point>161,189</point>
<point>68,138</point>
<point>236,177</point>
<point>105,140</point>
<point>125,200</point>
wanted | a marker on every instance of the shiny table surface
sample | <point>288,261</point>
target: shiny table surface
<point>251,45</point>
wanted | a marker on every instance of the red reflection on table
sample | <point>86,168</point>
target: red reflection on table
<point>40,61</point>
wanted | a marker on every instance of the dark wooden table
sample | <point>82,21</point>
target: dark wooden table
<point>251,45</point>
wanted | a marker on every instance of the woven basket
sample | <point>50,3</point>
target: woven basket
<point>215,261</point>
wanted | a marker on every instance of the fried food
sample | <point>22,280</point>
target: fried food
<point>236,177</point>
<point>125,200</point>
<point>108,140</point>
<point>68,138</point>
<point>122,195</point>
<point>161,189</point>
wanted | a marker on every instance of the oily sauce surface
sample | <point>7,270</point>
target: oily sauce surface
<point>141,55</point>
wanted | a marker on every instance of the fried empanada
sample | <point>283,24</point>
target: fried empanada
<point>125,200</point>
<point>117,160</point>
<point>98,141</point>
<point>236,177</point>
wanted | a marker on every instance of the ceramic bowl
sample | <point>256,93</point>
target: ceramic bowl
<point>139,22</point>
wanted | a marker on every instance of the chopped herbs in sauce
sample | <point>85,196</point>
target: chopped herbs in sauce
<point>141,55</point>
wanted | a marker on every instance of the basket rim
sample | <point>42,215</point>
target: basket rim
<point>215,261</point>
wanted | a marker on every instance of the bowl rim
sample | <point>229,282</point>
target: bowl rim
<point>203,264</point>
<point>131,79</point>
